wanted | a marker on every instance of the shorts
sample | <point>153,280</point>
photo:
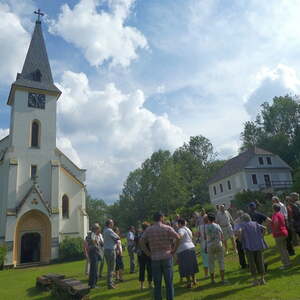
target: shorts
<point>119,263</point>
<point>215,252</point>
<point>227,232</point>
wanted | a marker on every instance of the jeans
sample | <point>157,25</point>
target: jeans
<point>101,266</point>
<point>164,268</point>
<point>94,261</point>
<point>110,257</point>
<point>144,263</point>
<point>131,259</point>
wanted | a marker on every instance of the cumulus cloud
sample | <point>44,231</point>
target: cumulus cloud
<point>3,133</point>
<point>13,40</point>
<point>111,131</point>
<point>65,145</point>
<point>101,34</point>
<point>279,81</point>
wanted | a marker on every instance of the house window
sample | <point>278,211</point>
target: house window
<point>254,178</point>
<point>269,161</point>
<point>35,134</point>
<point>65,207</point>
<point>229,185</point>
<point>261,160</point>
<point>221,188</point>
<point>215,190</point>
<point>33,171</point>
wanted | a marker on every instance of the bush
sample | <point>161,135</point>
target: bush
<point>2,256</point>
<point>263,201</point>
<point>71,249</point>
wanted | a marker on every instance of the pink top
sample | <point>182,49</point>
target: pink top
<point>278,225</point>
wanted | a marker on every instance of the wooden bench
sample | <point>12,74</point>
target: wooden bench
<point>70,288</point>
<point>45,282</point>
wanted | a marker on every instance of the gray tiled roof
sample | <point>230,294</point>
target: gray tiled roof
<point>237,163</point>
<point>37,59</point>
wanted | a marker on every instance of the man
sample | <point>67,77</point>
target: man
<point>110,244</point>
<point>257,216</point>
<point>284,212</point>
<point>225,220</point>
<point>163,242</point>
<point>295,209</point>
<point>93,242</point>
<point>237,225</point>
<point>214,238</point>
<point>131,247</point>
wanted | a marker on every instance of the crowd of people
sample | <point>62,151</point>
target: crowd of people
<point>159,244</point>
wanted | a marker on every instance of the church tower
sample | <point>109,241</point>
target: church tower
<point>42,194</point>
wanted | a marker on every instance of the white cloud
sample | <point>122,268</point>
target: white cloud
<point>101,35</point>
<point>3,133</point>
<point>65,145</point>
<point>13,40</point>
<point>279,81</point>
<point>112,132</point>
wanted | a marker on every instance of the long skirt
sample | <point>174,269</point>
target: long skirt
<point>187,262</point>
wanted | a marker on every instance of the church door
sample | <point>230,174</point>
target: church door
<point>30,248</point>
<point>32,238</point>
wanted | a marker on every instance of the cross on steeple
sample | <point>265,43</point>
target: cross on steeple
<point>39,13</point>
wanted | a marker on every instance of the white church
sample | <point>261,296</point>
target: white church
<point>42,192</point>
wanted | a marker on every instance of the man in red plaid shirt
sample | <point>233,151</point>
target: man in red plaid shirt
<point>163,242</point>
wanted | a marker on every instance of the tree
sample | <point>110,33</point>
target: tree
<point>96,210</point>
<point>277,129</point>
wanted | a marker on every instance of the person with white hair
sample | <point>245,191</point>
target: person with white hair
<point>283,208</point>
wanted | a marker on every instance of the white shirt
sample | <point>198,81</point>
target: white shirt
<point>186,241</point>
<point>283,209</point>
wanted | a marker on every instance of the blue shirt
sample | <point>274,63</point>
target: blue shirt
<point>252,236</point>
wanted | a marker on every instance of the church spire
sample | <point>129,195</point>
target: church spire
<point>36,66</point>
<point>36,72</point>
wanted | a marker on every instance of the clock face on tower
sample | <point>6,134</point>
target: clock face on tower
<point>36,100</point>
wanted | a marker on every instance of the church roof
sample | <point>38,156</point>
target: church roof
<point>36,72</point>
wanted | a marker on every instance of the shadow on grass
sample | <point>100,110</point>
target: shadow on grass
<point>34,292</point>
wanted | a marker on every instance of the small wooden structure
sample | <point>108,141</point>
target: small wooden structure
<point>70,288</point>
<point>45,282</point>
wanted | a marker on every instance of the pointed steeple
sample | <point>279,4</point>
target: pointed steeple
<point>36,72</point>
<point>37,59</point>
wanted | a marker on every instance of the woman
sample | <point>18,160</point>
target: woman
<point>251,236</point>
<point>144,261</point>
<point>280,234</point>
<point>203,244</point>
<point>186,255</point>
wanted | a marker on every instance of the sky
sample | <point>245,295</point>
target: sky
<point>143,75</point>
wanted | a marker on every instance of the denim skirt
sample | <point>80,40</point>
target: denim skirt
<point>187,262</point>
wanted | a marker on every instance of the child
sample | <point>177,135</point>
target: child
<point>119,259</point>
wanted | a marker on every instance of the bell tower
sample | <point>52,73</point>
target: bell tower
<point>33,99</point>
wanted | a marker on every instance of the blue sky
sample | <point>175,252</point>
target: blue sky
<point>140,75</point>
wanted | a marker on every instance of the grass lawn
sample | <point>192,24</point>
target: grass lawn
<point>20,284</point>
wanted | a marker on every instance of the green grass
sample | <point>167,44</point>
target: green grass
<point>281,285</point>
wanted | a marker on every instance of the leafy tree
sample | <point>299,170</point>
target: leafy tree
<point>277,129</point>
<point>96,210</point>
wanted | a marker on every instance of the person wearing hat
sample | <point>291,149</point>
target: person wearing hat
<point>257,216</point>
<point>280,234</point>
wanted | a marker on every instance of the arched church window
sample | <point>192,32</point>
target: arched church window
<point>35,134</point>
<point>65,207</point>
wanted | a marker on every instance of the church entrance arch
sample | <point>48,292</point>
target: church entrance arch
<point>32,238</point>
